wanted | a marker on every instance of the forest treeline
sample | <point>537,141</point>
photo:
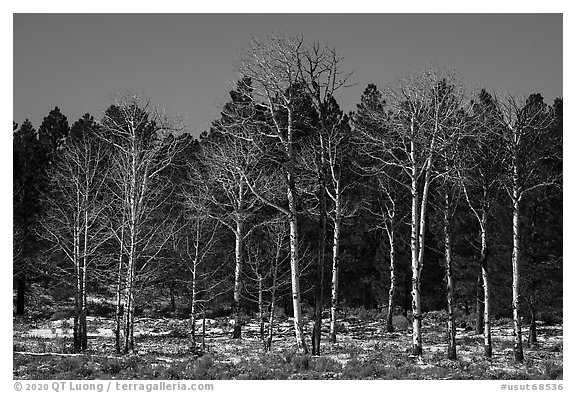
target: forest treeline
<point>426,197</point>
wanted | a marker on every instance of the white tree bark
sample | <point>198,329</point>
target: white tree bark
<point>392,266</point>
<point>451,325</point>
<point>238,279</point>
<point>486,284</point>
<point>335,269</point>
<point>518,351</point>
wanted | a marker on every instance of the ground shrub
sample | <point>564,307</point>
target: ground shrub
<point>178,332</point>
<point>77,367</point>
<point>111,366</point>
<point>62,314</point>
<point>342,327</point>
<point>558,347</point>
<point>400,322</point>
<point>132,362</point>
<point>553,370</point>
<point>550,318</point>
<point>325,364</point>
<point>301,362</point>
<point>176,370</point>
<point>355,369</point>
<point>204,368</point>
<point>401,371</point>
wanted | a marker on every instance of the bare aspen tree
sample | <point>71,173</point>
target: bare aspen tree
<point>530,163</point>
<point>386,179</point>
<point>449,198</point>
<point>256,276</point>
<point>272,67</point>
<point>74,222</point>
<point>409,139</point>
<point>227,160</point>
<point>480,180</point>
<point>389,212</point>
<point>452,134</point>
<point>338,152</point>
<point>142,147</point>
<point>196,244</point>
<point>268,274</point>
<point>321,76</point>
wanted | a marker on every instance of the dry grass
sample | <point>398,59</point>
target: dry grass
<point>364,351</point>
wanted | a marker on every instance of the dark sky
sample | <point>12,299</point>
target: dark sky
<point>184,62</point>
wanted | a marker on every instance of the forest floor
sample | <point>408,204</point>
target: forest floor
<point>43,350</point>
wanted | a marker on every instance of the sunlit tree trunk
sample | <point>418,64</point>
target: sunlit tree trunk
<point>203,328</point>
<point>295,275</point>
<point>83,306</point>
<point>391,233</point>
<point>486,285</point>
<point>294,252</point>
<point>451,325</point>
<point>518,351</point>
<point>78,276</point>
<point>128,345</point>
<point>416,269</point>
<point>237,279</point>
<point>194,271</point>
<point>261,306</point>
<point>119,337</point>
<point>335,268</point>
<point>193,309</point>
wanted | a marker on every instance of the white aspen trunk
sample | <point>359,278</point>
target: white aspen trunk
<point>131,268</point>
<point>419,263</point>
<point>416,307</point>
<point>119,304</point>
<point>78,294</point>
<point>261,306</point>
<point>237,280</point>
<point>203,328</point>
<point>518,351</point>
<point>195,263</point>
<point>129,309</point>
<point>129,291</point>
<point>193,306</point>
<point>78,270</point>
<point>451,326</point>
<point>295,276</point>
<point>83,311</point>
<point>335,269</point>
<point>392,290</point>
<point>294,254</point>
<point>415,252</point>
<point>486,284</point>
